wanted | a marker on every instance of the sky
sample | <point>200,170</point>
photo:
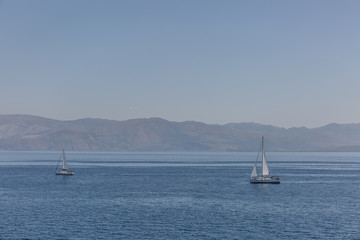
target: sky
<point>282,63</point>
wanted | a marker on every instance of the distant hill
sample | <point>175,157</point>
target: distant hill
<point>24,132</point>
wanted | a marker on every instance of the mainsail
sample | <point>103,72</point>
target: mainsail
<point>265,169</point>
<point>64,163</point>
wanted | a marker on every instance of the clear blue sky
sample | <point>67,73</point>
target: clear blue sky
<point>285,63</point>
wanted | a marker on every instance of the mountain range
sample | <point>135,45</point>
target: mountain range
<point>30,133</point>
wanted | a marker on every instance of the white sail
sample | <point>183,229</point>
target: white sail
<point>254,172</point>
<point>265,169</point>
<point>64,163</point>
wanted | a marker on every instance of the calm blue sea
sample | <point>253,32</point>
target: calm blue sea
<point>147,195</point>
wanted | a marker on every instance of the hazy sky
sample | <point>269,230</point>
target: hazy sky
<point>285,63</point>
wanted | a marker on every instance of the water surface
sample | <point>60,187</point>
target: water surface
<point>147,195</point>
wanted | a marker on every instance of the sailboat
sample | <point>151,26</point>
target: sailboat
<point>265,177</point>
<point>65,166</point>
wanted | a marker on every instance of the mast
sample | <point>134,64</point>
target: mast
<point>265,169</point>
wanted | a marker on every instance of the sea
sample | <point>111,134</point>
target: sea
<point>179,195</point>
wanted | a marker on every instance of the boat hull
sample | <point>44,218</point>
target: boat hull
<point>270,180</point>
<point>63,172</point>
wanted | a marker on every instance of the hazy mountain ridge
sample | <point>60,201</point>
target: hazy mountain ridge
<point>24,132</point>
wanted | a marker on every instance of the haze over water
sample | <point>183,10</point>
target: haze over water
<point>195,195</point>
